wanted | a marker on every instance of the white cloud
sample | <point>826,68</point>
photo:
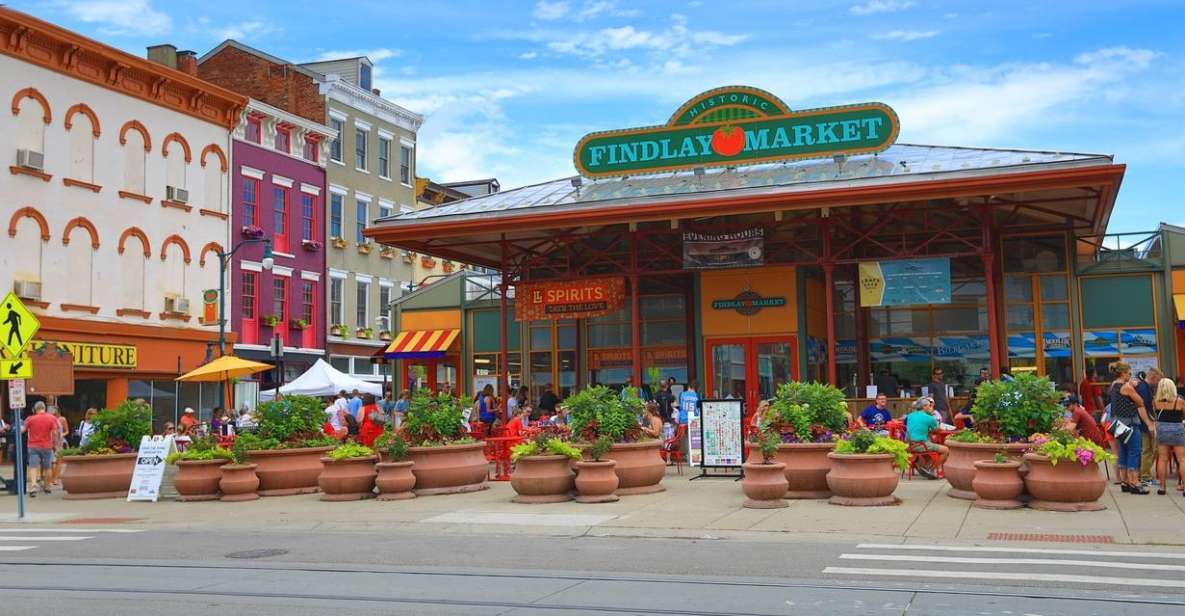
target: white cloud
<point>872,7</point>
<point>550,11</point>
<point>678,40</point>
<point>246,30</point>
<point>606,8</point>
<point>375,55</point>
<point>120,16</point>
<point>906,35</point>
<point>1138,58</point>
<point>528,55</point>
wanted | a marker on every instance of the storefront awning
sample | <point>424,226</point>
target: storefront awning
<point>423,344</point>
<point>1179,304</point>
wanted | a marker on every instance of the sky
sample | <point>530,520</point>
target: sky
<point>507,88</point>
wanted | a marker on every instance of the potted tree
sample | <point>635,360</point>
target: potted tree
<point>997,483</point>
<point>596,479</point>
<point>347,473</point>
<point>1064,473</point>
<point>541,472</point>
<point>239,481</point>
<point>1006,413</point>
<point>103,469</point>
<point>199,469</point>
<point>597,412</point>
<point>288,445</point>
<point>864,470</point>
<point>808,417</point>
<point>395,479</point>
<point>446,460</point>
<point>764,484</point>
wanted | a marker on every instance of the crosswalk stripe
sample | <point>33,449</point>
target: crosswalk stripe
<point>27,538</point>
<point>955,548</point>
<point>16,548</point>
<point>34,529</point>
<point>1001,575</point>
<point>1011,561</point>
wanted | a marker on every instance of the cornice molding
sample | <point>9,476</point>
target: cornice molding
<point>348,94</point>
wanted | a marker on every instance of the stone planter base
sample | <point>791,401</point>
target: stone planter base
<point>395,481</point>
<point>94,477</point>
<point>596,482</point>
<point>998,485</point>
<point>764,485</point>
<point>806,469</point>
<point>862,480</point>
<point>639,467</point>
<point>239,483</point>
<point>449,469</point>
<point>959,469</point>
<point>542,479</point>
<point>197,480</point>
<point>1066,486</point>
<point>285,472</point>
<point>350,479</point>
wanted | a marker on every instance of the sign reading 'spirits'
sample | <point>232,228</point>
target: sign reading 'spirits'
<point>737,125</point>
<point>572,299</point>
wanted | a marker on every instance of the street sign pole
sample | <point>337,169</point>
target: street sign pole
<point>20,464</point>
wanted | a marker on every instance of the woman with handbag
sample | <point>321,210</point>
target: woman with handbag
<point>1170,433</point>
<point>1127,408</point>
<point>372,422</point>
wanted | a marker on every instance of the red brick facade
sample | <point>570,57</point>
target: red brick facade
<point>279,85</point>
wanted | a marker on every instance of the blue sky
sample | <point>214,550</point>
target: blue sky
<point>509,87</point>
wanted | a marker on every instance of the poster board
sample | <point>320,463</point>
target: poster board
<point>721,435</point>
<point>150,467</point>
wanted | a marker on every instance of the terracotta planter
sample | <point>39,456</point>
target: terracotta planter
<point>542,479</point>
<point>998,485</point>
<point>395,480</point>
<point>765,485</point>
<point>449,469</point>
<point>197,480</point>
<point>1065,486</point>
<point>862,480</point>
<point>99,476</point>
<point>639,467</point>
<point>348,479</point>
<point>239,483</point>
<point>596,482</point>
<point>806,468</point>
<point>283,472</point>
<point>959,468</point>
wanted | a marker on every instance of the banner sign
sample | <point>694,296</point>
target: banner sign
<point>722,440</point>
<point>652,357</point>
<point>724,250</point>
<point>695,439</point>
<point>1103,343</point>
<point>1140,341</point>
<point>905,282</point>
<point>573,299</point>
<point>150,467</point>
<point>1057,344</point>
<point>737,125</point>
<point>210,306</point>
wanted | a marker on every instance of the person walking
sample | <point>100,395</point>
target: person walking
<point>372,423</point>
<point>59,444</point>
<point>688,402</point>
<point>1169,413</point>
<point>355,405</point>
<point>87,427</point>
<point>402,405</point>
<point>1128,407</point>
<point>43,432</point>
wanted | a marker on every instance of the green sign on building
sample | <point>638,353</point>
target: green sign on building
<point>737,125</point>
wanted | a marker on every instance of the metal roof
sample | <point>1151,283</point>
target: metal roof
<point>900,163</point>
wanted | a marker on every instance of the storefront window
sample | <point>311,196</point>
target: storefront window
<point>1037,307</point>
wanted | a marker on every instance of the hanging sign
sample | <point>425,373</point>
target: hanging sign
<point>905,282</point>
<point>16,394</point>
<point>210,306</point>
<point>150,467</point>
<point>723,250</point>
<point>571,299</point>
<point>737,125</point>
<point>19,368</point>
<point>17,325</point>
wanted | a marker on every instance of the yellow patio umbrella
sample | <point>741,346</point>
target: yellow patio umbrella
<point>224,368</point>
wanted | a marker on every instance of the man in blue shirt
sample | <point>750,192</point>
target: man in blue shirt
<point>877,414</point>
<point>355,404</point>
<point>688,403</point>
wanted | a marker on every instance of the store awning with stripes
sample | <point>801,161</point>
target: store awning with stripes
<point>423,344</point>
<point>1179,305</point>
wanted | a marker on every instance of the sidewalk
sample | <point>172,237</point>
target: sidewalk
<point>702,509</point>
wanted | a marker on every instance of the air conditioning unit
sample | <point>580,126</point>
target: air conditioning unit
<point>27,289</point>
<point>172,193</point>
<point>177,304</point>
<point>30,159</point>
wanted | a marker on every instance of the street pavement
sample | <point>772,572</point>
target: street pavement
<point>690,550</point>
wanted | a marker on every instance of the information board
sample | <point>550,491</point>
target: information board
<point>694,441</point>
<point>905,282</point>
<point>150,467</point>
<point>723,439</point>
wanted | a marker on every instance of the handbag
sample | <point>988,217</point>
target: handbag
<point>1119,430</point>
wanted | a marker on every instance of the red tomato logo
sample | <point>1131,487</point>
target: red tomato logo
<point>728,140</point>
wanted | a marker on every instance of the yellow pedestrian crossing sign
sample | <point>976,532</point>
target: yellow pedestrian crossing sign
<point>17,325</point>
<point>21,368</point>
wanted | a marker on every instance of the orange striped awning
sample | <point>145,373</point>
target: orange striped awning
<point>421,344</point>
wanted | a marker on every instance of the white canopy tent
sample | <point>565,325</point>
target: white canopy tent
<point>321,379</point>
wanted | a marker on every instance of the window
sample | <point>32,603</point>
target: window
<point>360,149</point>
<point>1037,307</point>
<point>335,215</point>
<point>385,306</point>
<point>361,301</point>
<point>335,301</point>
<point>405,164</point>
<point>280,305</point>
<point>361,222</point>
<point>364,80</point>
<point>284,139</point>
<point>254,132</point>
<point>280,218</point>
<point>311,150</point>
<point>384,157</point>
<point>249,317</point>
<point>335,146</point>
<point>308,216</point>
<point>308,312</point>
<point>251,202</point>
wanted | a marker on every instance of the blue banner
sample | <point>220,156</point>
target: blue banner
<point>905,282</point>
<point>1100,343</point>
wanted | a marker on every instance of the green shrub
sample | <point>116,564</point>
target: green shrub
<point>191,454</point>
<point>290,420</point>
<point>251,441</point>
<point>807,413</point>
<point>866,442</point>
<point>597,412</point>
<point>320,440</point>
<point>350,450</point>
<point>1026,405</point>
<point>121,428</point>
<point>545,446</point>
<point>768,442</point>
<point>970,436</point>
<point>433,420</point>
<point>393,444</point>
<point>1062,446</point>
<point>600,447</point>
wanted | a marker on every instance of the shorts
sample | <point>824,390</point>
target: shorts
<point>40,457</point>
<point>1129,452</point>
<point>923,446</point>
<point>1170,434</point>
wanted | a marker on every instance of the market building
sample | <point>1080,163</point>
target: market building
<point>115,202</point>
<point>805,245</point>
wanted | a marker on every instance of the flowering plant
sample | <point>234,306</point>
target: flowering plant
<point>311,245</point>
<point>1015,409</point>
<point>867,442</point>
<point>1063,446</point>
<point>806,413</point>
<point>252,231</point>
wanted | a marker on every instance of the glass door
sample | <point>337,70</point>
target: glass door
<point>750,368</point>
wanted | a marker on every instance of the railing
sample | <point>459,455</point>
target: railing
<point>484,287</point>
<point>1137,250</point>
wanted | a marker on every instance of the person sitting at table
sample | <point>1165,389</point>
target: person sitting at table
<point>877,414</point>
<point>759,415</point>
<point>561,416</point>
<point>515,426</point>
<point>919,424</point>
<point>651,420</point>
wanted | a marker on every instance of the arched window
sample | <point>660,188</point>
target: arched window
<point>81,241</point>
<point>174,255</point>
<point>136,145</point>
<point>33,114</point>
<point>83,126</point>
<point>214,169</point>
<point>24,247</point>
<point>177,155</point>
<point>133,268</point>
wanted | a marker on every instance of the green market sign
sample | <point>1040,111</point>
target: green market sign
<point>737,125</point>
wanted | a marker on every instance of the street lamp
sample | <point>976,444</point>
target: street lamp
<point>223,258</point>
<point>384,326</point>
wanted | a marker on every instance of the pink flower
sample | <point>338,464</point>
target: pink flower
<point>1085,456</point>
